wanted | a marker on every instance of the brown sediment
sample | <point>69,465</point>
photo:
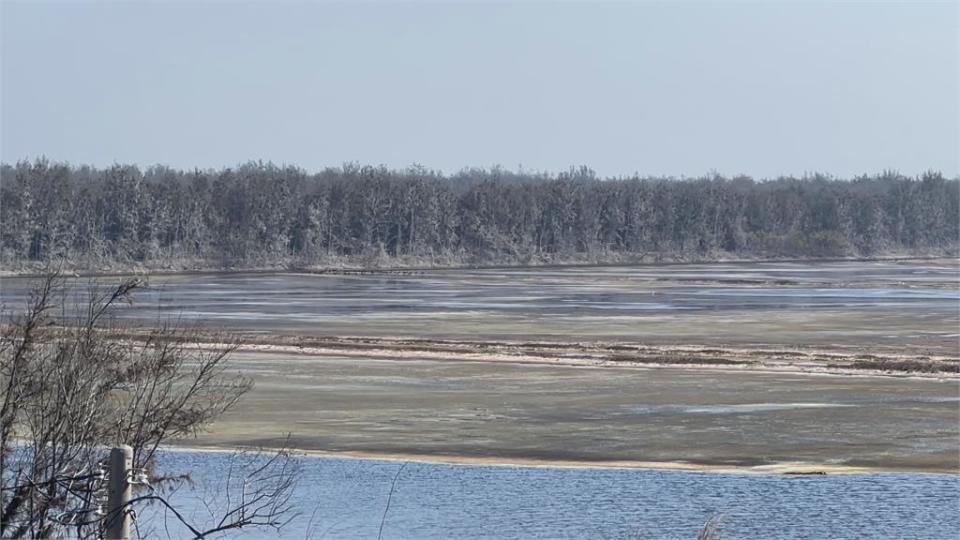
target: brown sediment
<point>600,354</point>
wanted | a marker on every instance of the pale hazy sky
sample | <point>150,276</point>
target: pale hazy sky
<point>656,88</point>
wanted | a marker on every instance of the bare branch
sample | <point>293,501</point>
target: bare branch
<point>70,391</point>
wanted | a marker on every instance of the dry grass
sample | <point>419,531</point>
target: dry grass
<point>906,365</point>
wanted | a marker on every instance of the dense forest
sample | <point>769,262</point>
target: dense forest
<point>260,215</point>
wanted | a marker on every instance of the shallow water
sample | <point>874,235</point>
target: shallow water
<point>345,498</point>
<point>826,303</point>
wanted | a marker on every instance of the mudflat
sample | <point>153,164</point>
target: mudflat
<point>838,365</point>
<point>519,413</point>
<point>860,306</point>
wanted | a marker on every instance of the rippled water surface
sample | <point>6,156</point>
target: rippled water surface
<point>345,498</point>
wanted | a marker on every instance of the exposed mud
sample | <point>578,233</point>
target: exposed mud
<point>597,354</point>
<point>668,417</point>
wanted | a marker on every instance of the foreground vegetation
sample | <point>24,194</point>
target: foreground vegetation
<point>69,393</point>
<point>261,215</point>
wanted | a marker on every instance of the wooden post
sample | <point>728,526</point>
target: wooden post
<point>118,494</point>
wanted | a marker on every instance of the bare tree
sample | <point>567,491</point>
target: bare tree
<point>72,387</point>
<point>260,214</point>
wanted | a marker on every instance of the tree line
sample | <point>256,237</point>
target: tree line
<point>265,215</point>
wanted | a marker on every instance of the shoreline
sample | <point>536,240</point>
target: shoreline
<point>780,468</point>
<point>361,269</point>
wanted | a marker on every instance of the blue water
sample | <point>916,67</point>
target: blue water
<point>345,498</point>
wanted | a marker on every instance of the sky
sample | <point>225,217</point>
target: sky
<point>654,88</point>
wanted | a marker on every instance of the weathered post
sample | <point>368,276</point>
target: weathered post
<point>118,494</point>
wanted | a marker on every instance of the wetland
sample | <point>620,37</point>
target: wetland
<point>841,365</point>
